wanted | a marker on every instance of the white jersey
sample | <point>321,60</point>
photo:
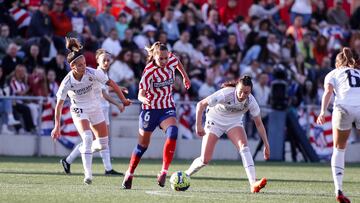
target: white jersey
<point>224,103</point>
<point>346,83</point>
<point>81,93</point>
<point>99,87</point>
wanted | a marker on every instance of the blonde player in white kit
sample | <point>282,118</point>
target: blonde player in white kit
<point>225,110</point>
<point>103,59</point>
<point>344,81</point>
<point>85,108</point>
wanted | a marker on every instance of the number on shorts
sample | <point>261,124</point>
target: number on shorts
<point>147,116</point>
<point>77,110</point>
<point>354,78</point>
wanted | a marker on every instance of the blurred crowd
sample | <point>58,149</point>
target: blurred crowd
<point>215,44</point>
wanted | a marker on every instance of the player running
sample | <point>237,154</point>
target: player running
<point>85,108</point>
<point>158,108</point>
<point>224,114</point>
<point>344,81</point>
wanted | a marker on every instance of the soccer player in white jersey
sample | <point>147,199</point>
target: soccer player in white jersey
<point>86,111</point>
<point>157,109</point>
<point>344,81</point>
<point>225,110</point>
<point>103,59</point>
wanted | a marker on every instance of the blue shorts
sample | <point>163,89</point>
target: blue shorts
<point>150,119</point>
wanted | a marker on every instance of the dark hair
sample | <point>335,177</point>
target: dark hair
<point>155,49</point>
<point>75,48</point>
<point>245,81</point>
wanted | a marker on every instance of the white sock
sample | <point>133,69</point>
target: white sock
<point>248,164</point>
<point>338,167</point>
<point>196,165</point>
<point>105,155</point>
<point>86,153</point>
<point>100,144</point>
<point>74,154</point>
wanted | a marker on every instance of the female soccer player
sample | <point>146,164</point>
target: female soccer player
<point>225,111</point>
<point>85,108</point>
<point>158,108</point>
<point>103,58</point>
<point>344,80</point>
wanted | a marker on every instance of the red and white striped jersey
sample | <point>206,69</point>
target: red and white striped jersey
<point>158,84</point>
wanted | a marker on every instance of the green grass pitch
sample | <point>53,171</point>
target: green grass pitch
<point>39,179</point>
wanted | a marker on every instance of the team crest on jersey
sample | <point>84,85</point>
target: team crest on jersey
<point>146,124</point>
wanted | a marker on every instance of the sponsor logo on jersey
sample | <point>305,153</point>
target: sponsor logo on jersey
<point>83,90</point>
<point>163,84</point>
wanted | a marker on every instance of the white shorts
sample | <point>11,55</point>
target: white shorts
<point>344,116</point>
<point>106,115</point>
<point>217,126</point>
<point>95,116</point>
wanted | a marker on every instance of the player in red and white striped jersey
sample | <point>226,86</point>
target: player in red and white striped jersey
<point>158,108</point>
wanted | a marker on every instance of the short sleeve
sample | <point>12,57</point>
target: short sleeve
<point>254,108</point>
<point>330,79</point>
<point>63,89</point>
<point>101,76</point>
<point>216,98</point>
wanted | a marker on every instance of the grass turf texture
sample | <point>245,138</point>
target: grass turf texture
<point>24,179</point>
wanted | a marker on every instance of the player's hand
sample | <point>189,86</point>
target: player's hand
<point>124,90</point>
<point>55,133</point>
<point>187,83</point>
<point>121,107</point>
<point>266,152</point>
<point>146,102</point>
<point>321,118</point>
<point>127,102</point>
<point>200,130</point>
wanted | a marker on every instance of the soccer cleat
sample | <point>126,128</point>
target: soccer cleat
<point>258,185</point>
<point>112,172</point>
<point>65,165</point>
<point>161,178</point>
<point>340,197</point>
<point>127,182</point>
<point>87,181</point>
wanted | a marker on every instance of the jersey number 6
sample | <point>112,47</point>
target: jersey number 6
<point>354,78</point>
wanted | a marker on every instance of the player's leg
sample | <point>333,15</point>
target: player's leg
<point>66,162</point>
<point>171,130</point>
<point>207,149</point>
<point>83,127</point>
<point>238,137</point>
<point>148,121</point>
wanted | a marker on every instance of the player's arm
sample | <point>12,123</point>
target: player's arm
<point>186,80</point>
<point>108,98</point>
<point>142,97</point>
<point>262,132</point>
<point>200,108</point>
<point>325,102</point>
<point>118,92</point>
<point>55,133</point>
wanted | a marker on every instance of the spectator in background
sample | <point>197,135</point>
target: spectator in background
<point>207,88</point>
<point>60,21</point>
<point>258,9</point>
<point>107,20</point>
<point>40,24</point>
<point>207,7</point>
<point>146,37</point>
<point>337,15</point>
<point>219,32</point>
<point>232,48</point>
<point>19,87</point>
<point>92,30</point>
<point>6,110</point>
<point>122,25</point>
<point>137,63</point>
<point>136,22</point>
<point>121,73</point>
<point>320,49</point>
<point>273,48</point>
<point>229,12</point>
<point>240,30</point>
<point>183,44</point>
<point>296,30</point>
<point>320,12</point>
<point>162,38</point>
<point>189,23</point>
<point>112,43</point>
<point>155,20</point>
<point>11,59</point>
<point>170,26</point>
<point>128,42</point>
<point>77,18</point>
<point>59,65</point>
<point>33,58</point>
<point>253,70</point>
<point>53,86</point>
<point>5,39</point>
<point>21,16</point>
<point>306,47</point>
<point>301,8</point>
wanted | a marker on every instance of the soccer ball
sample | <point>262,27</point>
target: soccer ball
<point>179,181</point>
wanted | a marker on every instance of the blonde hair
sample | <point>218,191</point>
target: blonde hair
<point>99,52</point>
<point>345,58</point>
<point>154,50</point>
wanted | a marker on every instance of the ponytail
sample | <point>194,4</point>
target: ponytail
<point>75,48</point>
<point>346,58</point>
